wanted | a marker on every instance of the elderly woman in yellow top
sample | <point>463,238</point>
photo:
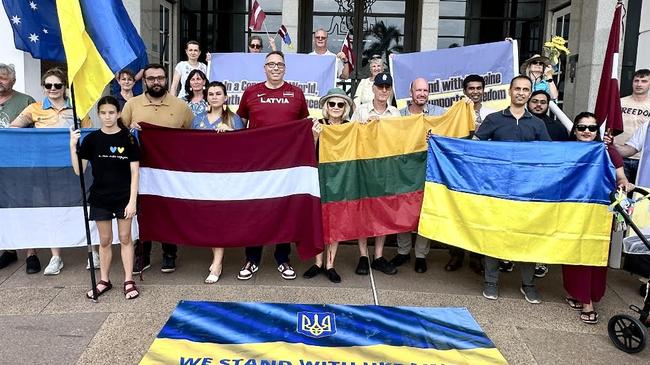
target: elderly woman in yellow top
<point>54,111</point>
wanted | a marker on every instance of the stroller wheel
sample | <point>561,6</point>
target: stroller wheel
<point>627,333</point>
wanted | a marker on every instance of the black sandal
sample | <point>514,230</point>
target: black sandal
<point>576,305</point>
<point>107,286</point>
<point>589,317</point>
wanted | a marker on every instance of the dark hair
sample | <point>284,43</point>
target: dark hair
<point>189,43</point>
<point>255,38</point>
<point>189,94</point>
<point>572,134</point>
<point>521,77</point>
<point>279,53</point>
<point>537,92</point>
<point>153,66</point>
<point>473,78</point>
<point>643,72</point>
<point>109,100</point>
<point>125,71</point>
<point>227,117</point>
<point>57,72</point>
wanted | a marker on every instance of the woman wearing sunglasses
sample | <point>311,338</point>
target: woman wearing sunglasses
<point>336,110</point>
<point>586,284</point>
<point>55,111</point>
<point>539,70</point>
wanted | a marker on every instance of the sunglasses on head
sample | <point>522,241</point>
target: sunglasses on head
<point>582,128</point>
<point>255,46</point>
<point>332,104</point>
<point>56,85</point>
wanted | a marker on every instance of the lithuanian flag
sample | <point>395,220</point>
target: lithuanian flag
<point>372,176</point>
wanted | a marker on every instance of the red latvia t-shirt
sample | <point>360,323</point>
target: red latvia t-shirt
<point>264,107</point>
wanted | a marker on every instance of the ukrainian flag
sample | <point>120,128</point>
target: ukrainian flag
<point>521,201</point>
<point>99,40</point>
<point>312,334</point>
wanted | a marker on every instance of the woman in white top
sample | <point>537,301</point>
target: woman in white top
<point>364,92</point>
<point>183,68</point>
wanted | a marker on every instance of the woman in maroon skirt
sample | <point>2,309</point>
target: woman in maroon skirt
<point>586,284</point>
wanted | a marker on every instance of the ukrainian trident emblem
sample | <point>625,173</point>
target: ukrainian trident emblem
<point>316,325</point>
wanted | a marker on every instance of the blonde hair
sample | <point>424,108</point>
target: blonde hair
<point>346,109</point>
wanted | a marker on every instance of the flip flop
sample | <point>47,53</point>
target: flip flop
<point>107,286</point>
<point>589,317</point>
<point>576,305</point>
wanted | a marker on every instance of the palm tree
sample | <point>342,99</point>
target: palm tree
<point>386,41</point>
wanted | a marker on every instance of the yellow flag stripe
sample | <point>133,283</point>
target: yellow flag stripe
<point>392,136</point>
<point>87,70</point>
<point>516,230</point>
<point>170,351</point>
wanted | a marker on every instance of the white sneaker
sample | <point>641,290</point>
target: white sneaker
<point>54,267</point>
<point>95,261</point>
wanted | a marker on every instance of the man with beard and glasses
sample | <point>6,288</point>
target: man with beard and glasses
<point>516,124</point>
<point>156,106</point>
<point>269,103</point>
<point>538,106</point>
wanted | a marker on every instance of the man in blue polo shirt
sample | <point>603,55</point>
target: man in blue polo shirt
<point>517,124</point>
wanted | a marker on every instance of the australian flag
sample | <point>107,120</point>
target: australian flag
<point>36,28</point>
<point>284,34</point>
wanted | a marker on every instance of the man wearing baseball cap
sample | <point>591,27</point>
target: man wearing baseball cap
<point>383,89</point>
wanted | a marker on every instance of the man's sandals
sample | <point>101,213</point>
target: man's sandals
<point>106,287</point>
<point>131,289</point>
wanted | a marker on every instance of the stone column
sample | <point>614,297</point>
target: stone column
<point>290,20</point>
<point>429,31</point>
<point>643,50</point>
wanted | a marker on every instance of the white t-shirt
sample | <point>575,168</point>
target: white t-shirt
<point>184,68</point>
<point>638,138</point>
<point>635,113</point>
<point>339,63</point>
<point>483,113</point>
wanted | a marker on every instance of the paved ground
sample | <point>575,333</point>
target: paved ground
<point>47,320</point>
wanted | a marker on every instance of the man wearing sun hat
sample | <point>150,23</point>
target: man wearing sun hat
<point>540,71</point>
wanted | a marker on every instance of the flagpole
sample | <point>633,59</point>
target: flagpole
<point>82,183</point>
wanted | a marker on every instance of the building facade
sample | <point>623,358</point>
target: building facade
<point>387,26</point>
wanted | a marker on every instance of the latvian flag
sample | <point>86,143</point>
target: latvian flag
<point>256,16</point>
<point>348,51</point>
<point>284,34</point>
<point>234,189</point>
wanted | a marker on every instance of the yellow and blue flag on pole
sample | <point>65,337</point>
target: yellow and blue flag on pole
<point>313,334</point>
<point>521,201</point>
<point>95,37</point>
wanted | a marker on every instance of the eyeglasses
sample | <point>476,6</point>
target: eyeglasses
<point>339,105</point>
<point>320,38</point>
<point>155,78</point>
<point>56,85</point>
<point>582,128</point>
<point>279,65</point>
<point>537,63</point>
<point>255,46</point>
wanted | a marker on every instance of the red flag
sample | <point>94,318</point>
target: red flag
<point>608,103</point>
<point>349,52</point>
<point>244,188</point>
<point>256,16</point>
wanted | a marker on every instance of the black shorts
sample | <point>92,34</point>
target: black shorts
<point>103,214</point>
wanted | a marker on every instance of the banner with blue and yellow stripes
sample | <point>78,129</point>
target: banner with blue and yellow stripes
<point>313,334</point>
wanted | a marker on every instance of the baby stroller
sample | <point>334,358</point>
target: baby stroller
<point>626,332</point>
